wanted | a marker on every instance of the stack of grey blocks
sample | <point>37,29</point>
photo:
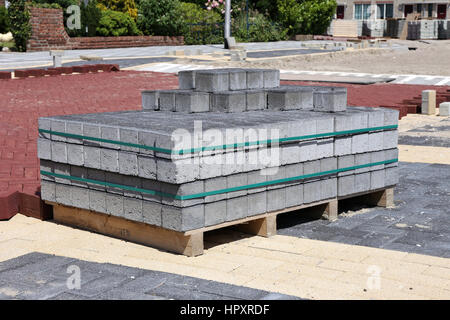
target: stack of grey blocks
<point>310,148</point>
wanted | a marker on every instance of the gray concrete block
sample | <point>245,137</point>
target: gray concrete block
<point>237,208</point>
<point>271,78</point>
<point>276,199</point>
<point>377,156</point>
<point>150,100</point>
<point>256,100</point>
<point>48,191</point>
<point>146,139</point>
<point>79,197</point>
<point>192,102</point>
<point>290,153</point>
<point>132,209</point>
<point>114,204</point>
<point>211,81</point>
<point>311,167</point>
<point>93,131</point>
<point>151,185</point>
<point>289,99</point>
<point>278,174</point>
<point>228,101</point>
<point>109,160</point>
<point>390,117</point>
<point>74,128</point>
<point>362,182</point>
<point>237,180</point>
<point>98,175</point>
<point>376,117</point>
<point>91,157</point>
<point>44,149</point>
<point>183,219</point>
<point>62,194</point>
<point>110,133</point>
<point>210,167</point>
<point>360,143</point>
<point>257,203</point>
<point>330,100</point>
<point>215,213</point>
<point>346,161</point>
<point>308,149</point>
<point>377,179</point>
<point>346,185</point>
<point>255,79</point>
<point>238,80</point>
<point>342,145</point>
<point>294,195</point>
<point>360,120</point>
<point>59,152</point>
<point>114,178</point>
<point>181,171</point>
<point>375,142</point>
<point>391,154</point>
<point>46,166</point>
<point>80,172</point>
<point>362,159</point>
<point>391,176</point>
<point>325,148</point>
<point>215,184</point>
<point>129,136</point>
<point>328,164</point>
<point>63,169</point>
<point>58,126</point>
<point>146,167</point>
<point>167,100</point>
<point>342,122</point>
<point>390,139</point>
<point>190,188</point>
<point>325,125</point>
<point>256,177</point>
<point>312,191</point>
<point>328,188</point>
<point>186,79</point>
<point>151,213</point>
<point>97,201</point>
<point>45,124</point>
<point>133,182</point>
<point>75,154</point>
<point>444,109</point>
<point>128,163</point>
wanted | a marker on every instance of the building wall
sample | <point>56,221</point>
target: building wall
<point>398,6</point>
<point>2,3</point>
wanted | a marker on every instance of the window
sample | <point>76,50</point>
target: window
<point>362,11</point>
<point>340,11</point>
<point>419,8</point>
<point>385,10</point>
<point>430,10</point>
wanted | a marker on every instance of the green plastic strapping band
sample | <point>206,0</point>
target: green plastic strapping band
<point>211,193</point>
<point>222,147</point>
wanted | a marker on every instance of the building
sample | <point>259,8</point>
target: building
<point>365,10</point>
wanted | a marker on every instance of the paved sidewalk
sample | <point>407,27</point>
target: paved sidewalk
<point>38,276</point>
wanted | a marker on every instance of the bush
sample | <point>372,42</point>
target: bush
<point>19,18</point>
<point>159,17</point>
<point>4,20</point>
<point>114,23</point>
<point>125,6</point>
<point>200,26</point>
<point>90,17</point>
<point>306,17</point>
<point>261,28</point>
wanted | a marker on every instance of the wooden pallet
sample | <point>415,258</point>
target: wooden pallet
<point>190,243</point>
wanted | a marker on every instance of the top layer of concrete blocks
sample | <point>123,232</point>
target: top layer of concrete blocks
<point>239,90</point>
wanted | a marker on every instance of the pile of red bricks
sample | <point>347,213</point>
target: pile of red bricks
<point>47,32</point>
<point>65,70</point>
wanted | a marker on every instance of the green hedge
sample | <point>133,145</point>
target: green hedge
<point>19,18</point>
<point>159,17</point>
<point>115,23</point>
<point>4,20</point>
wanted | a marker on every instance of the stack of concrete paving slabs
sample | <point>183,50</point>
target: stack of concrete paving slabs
<point>221,148</point>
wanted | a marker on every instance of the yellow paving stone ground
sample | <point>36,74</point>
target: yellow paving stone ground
<point>301,267</point>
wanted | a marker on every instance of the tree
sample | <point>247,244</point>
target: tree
<point>160,17</point>
<point>306,16</point>
<point>125,6</point>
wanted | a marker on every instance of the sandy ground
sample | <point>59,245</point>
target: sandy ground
<point>430,58</point>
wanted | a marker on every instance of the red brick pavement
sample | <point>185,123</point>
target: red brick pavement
<point>25,100</point>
